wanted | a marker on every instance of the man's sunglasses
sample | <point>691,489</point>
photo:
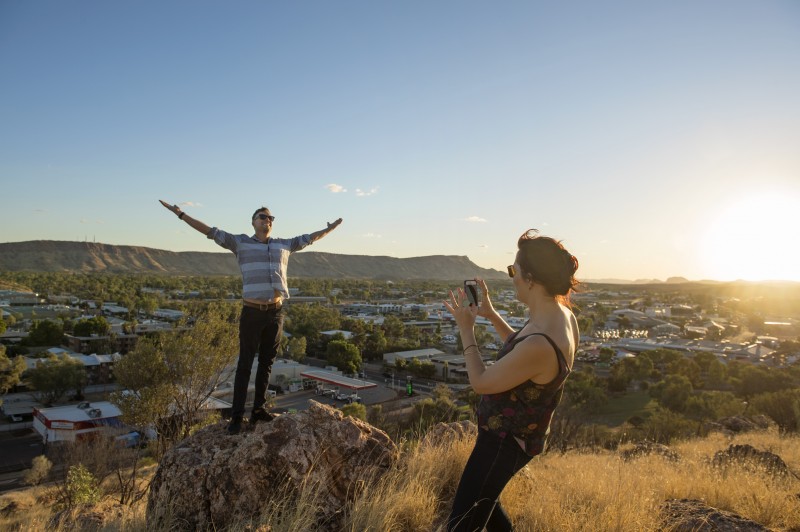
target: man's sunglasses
<point>263,216</point>
<point>512,271</point>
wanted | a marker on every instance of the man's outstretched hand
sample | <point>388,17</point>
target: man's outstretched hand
<point>173,208</point>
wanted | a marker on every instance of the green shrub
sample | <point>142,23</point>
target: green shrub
<point>81,487</point>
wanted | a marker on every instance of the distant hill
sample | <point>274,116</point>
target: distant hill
<point>86,257</point>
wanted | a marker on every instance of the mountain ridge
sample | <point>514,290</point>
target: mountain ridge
<point>92,257</point>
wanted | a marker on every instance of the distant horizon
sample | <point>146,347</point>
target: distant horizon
<point>652,139</point>
<point>602,280</point>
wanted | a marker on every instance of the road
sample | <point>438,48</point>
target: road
<point>17,451</point>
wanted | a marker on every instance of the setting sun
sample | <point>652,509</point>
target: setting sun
<point>756,239</point>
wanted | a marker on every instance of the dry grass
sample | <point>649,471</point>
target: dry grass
<point>588,492</point>
<point>575,492</point>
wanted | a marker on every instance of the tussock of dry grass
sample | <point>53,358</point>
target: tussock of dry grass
<point>32,510</point>
<point>575,492</point>
<point>589,492</point>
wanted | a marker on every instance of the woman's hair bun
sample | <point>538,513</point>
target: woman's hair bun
<point>544,260</point>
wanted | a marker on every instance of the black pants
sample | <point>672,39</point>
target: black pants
<point>494,460</point>
<point>260,332</point>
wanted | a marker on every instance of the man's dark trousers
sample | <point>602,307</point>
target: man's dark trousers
<point>260,332</point>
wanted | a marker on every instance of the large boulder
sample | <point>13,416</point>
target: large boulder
<point>213,480</point>
<point>749,458</point>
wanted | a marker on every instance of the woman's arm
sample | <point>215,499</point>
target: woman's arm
<point>530,358</point>
<point>486,310</point>
<point>194,223</point>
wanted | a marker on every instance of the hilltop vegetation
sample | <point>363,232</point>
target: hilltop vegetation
<point>577,491</point>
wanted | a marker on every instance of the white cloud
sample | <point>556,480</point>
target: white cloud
<point>190,204</point>
<point>371,235</point>
<point>333,187</point>
<point>484,246</point>
<point>475,219</point>
<point>371,191</point>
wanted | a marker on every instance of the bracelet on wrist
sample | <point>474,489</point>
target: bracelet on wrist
<point>180,216</point>
<point>465,349</point>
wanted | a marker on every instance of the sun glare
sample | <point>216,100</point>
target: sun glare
<point>755,239</point>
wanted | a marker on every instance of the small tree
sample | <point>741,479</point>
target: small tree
<point>97,325</point>
<point>375,415</point>
<point>80,488</point>
<point>54,377</point>
<point>344,356</point>
<point>10,370</point>
<point>664,426</point>
<point>168,378</point>
<point>45,332</point>
<point>39,470</point>
<point>356,410</point>
<point>296,348</point>
<point>783,407</point>
<point>673,392</point>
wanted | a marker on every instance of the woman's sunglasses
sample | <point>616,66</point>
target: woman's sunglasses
<point>512,271</point>
<point>263,216</point>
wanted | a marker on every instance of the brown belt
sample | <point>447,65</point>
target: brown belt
<point>263,306</point>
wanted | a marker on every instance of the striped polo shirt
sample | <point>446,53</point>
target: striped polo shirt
<point>263,265</point>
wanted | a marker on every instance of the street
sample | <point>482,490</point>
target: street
<point>17,451</point>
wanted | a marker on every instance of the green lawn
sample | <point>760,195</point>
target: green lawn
<point>619,409</point>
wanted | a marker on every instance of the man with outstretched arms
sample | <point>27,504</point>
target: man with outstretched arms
<point>263,261</point>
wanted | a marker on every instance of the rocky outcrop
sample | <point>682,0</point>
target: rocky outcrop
<point>751,459</point>
<point>213,480</point>
<point>691,515</point>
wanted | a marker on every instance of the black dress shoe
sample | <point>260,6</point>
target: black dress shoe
<point>261,415</point>
<point>235,426</point>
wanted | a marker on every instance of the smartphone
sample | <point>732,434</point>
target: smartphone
<point>471,288</point>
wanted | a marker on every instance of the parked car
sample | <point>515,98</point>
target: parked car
<point>342,396</point>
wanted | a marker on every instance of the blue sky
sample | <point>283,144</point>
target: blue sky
<point>654,139</point>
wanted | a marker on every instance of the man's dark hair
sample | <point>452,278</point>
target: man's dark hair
<point>262,209</point>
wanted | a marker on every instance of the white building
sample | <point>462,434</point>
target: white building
<point>76,422</point>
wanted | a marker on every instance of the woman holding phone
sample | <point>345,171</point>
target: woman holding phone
<point>520,392</point>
